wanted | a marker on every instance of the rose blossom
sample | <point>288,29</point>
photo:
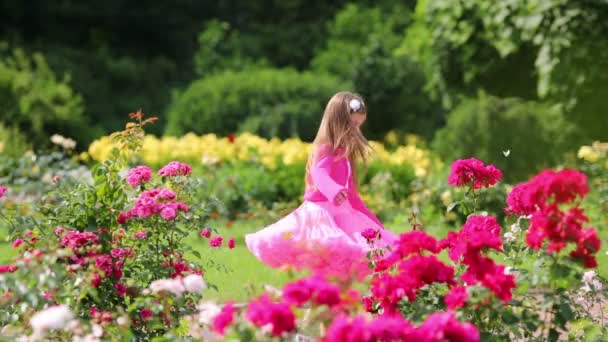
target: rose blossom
<point>194,283</point>
<point>473,172</point>
<point>457,297</point>
<point>17,243</point>
<point>262,312</point>
<point>216,241</point>
<point>224,318</point>
<point>140,235</point>
<point>52,318</point>
<point>175,168</point>
<point>146,314</point>
<point>138,175</point>
<point>121,289</point>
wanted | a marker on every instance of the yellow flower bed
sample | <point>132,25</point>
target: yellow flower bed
<point>211,149</point>
<point>596,153</point>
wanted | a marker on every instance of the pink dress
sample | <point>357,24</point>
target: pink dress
<point>321,235</point>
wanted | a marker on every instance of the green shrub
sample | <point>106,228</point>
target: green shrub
<point>13,143</point>
<point>268,102</point>
<point>519,137</point>
<point>36,102</point>
<point>394,90</point>
<point>237,184</point>
<point>364,54</point>
<point>290,181</point>
<point>222,48</point>
<point>395,180</point>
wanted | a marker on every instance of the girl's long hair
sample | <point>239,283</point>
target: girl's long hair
<point>338,131</point>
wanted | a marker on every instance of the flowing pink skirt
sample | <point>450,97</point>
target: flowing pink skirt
<point>321,237</point>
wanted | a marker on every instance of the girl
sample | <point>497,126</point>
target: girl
<point>325,233</point>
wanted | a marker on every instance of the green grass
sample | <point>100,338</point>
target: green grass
<point>237,273</point>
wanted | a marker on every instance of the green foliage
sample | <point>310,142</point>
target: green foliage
<point>35,101</point>
<point>222,48</point>
<point>392,180</point>
<point>269,102</point>
<point>554,49</point>
<point>360,49</point>
<point>113,83</point>
<point>13,143</point>
<point>519,137</point>
<point>394,92</point>
<point>237,184</point>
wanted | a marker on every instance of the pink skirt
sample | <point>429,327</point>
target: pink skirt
<point>321,237</point>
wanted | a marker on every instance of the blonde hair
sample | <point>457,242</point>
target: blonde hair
<point>338,131</point>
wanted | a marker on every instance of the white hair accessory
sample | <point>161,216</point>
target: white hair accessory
<point>355,105</point>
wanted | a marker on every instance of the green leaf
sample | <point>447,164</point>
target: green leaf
<point>565,312</point>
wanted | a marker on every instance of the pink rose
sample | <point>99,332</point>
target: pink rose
<point>138,175</point>
<point>216,241</point>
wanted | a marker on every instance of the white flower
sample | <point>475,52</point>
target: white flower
<point>589,276</point>
<point>68,144</point>
<point>78,281</point>
<point>273,290</point>
<point>87,338</point>
<point>207,312</point>
<point>509,237</point>
<point>590,282</point>
<point>57,139</point>
<point>515,227</point>
<point>97,330</point>
<point>174,286</point>
<point>55,317</point>
<point>122,320</point>
<point>194,283</point>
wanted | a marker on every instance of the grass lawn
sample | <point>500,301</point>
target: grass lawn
<point>236,272</point>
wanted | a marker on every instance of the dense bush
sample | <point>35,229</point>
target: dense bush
<point>394,90</point>
<point>270,102</point>
<point>13,142</point>
<point>517,136</point>
<point>91,246</point>
<point>222,48</point>
<point>36,101</point>
<point>363,54</point>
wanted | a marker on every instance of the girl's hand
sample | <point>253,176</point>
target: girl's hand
<point>341,196</point>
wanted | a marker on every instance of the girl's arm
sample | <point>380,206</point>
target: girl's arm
<point>321,175</point>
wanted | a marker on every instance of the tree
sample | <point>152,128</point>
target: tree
<point>553,50</point>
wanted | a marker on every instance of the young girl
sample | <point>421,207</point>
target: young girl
<point>324,234</point>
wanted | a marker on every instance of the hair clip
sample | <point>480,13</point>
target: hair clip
<point>355,105</point>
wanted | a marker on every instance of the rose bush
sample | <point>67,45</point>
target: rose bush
<point>110,252</point>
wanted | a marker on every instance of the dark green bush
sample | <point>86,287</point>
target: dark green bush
<point>361,49</point>
<point>268,102</point>
<point>34,100</point>
<point>237,184</point>
<point>520,137</point>
<point>397,187</point>
<point>13,143</point>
